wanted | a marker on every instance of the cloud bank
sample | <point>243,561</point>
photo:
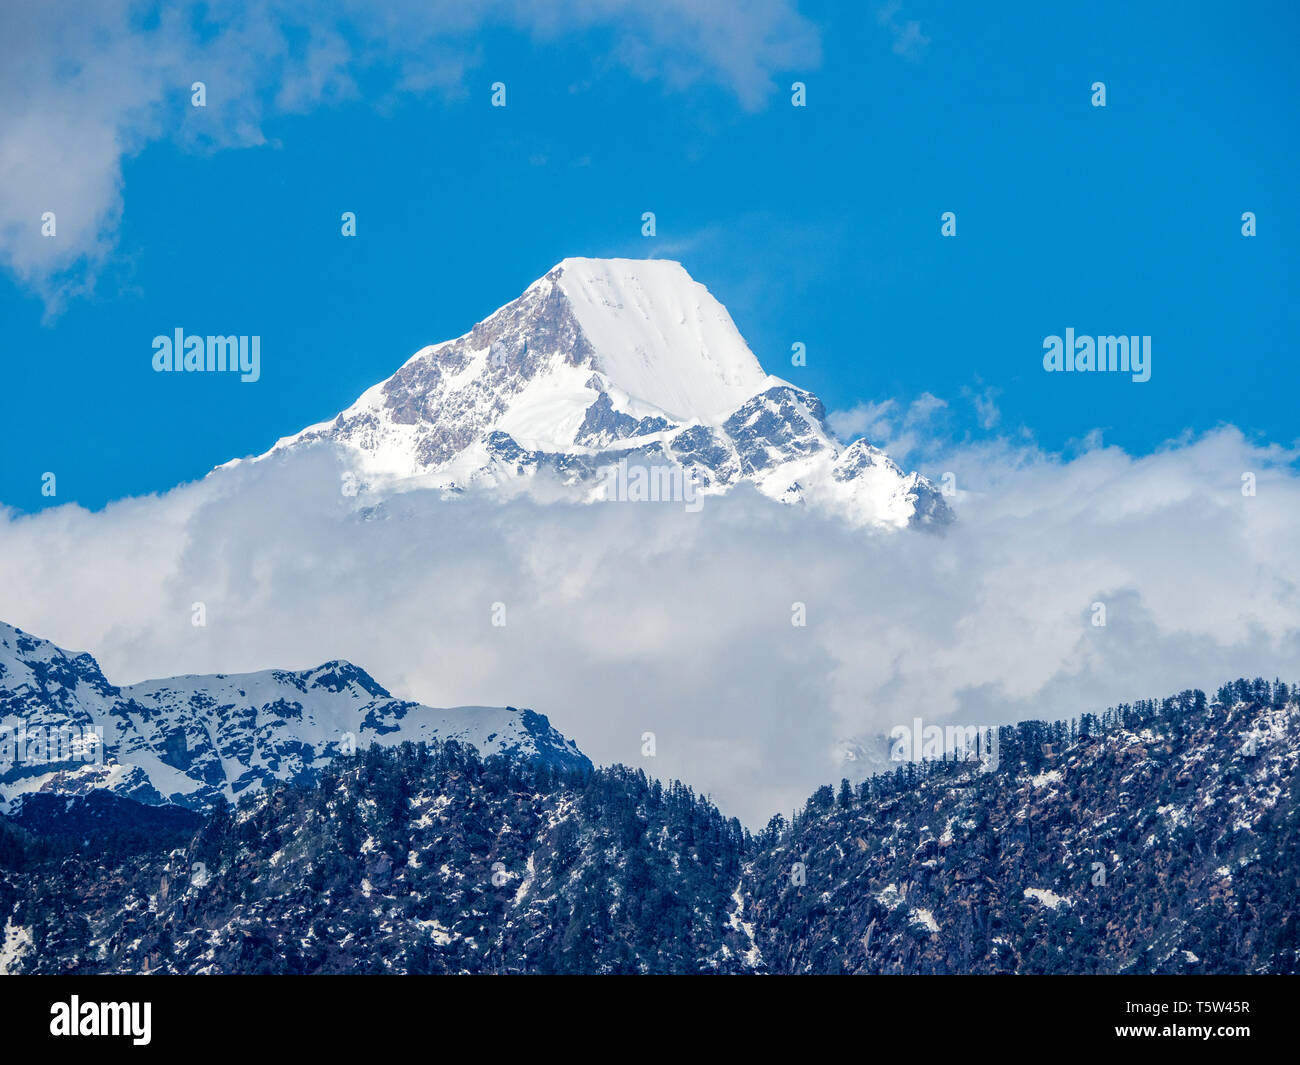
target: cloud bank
<point>626,618</point>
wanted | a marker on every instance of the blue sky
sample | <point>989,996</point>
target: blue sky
<point>818,224</point>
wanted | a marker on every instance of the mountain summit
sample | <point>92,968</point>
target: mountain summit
<point>609,360</point>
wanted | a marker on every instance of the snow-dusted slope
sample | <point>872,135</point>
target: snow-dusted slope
<point>605,360</point>
<point>192,740</point>
<point>661,337</point>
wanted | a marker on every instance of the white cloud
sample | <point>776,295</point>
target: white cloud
<point>84,86</point>
<point>909,41</point>
<point>986,407</point>
<point>626,618</point>
<point>894,429</point>
<point>868,419</point>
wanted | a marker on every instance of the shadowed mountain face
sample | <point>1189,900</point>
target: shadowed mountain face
<point>1162,836</point>
<point>605,361</point>
<point>199,740</point>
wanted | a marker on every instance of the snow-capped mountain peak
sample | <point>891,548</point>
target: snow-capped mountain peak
<point>196,740</point>
<point>661,337</point>
<point>606,360</point>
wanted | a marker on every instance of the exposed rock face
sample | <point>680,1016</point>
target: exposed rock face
<point>199,741</point>
<point>604,360</point>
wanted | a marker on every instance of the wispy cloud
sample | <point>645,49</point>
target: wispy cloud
<point>889,425</point>
<point>84,86</point>
<point>909,41</point>
<point>986,407</point>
